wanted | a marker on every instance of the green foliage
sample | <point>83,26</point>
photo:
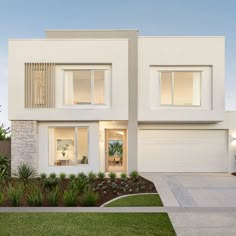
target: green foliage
<point>1,198</point>
<point>4,133</point>
<point>50,183</point>
<point>4,167</point>
<point>72,177</point>
<point>134,175</point>
<point>35,197</point>
<point>112,176</point>
<point>15,195</point>
<point>82,175</point>
<point>62,176</point>
<point>53,197</point>
<point>70,198</point>
<point>25,173</point>
<point>115,148</point>
<point>123,176</point>
<point>53,176</point>
<point>89,198</point>
<point>101,175</point>
<point>91,177</point>
<point>43,176</point>
<point>79,184</point>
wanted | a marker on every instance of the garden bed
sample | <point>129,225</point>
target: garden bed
<point>104,188</point>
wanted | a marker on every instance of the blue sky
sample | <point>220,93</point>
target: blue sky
<point>29,19</point>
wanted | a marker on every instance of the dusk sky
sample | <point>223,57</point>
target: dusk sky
<point>29,19</point>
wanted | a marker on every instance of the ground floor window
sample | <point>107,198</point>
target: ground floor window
<point>68,146</point>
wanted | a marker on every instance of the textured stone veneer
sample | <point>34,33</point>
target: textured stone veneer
<point>24,143</point>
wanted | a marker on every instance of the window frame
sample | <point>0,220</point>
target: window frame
<point>172,88</point>
<point>75,144</point>
<point>107,85</point>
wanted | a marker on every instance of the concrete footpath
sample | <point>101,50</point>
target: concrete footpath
<point>169,210</point>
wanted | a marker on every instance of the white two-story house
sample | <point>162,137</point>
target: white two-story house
<point>113,101</point>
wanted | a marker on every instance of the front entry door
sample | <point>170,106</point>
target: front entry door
<point>116,150</point>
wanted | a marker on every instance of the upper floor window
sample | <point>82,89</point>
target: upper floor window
<point>180,88</point>
<point>85,87</point>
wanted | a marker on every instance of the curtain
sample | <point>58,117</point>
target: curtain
<point>69,88</point>
<point>196,88</point>
<point>52,147</point>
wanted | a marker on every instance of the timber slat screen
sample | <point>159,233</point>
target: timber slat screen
<point>39,85</point>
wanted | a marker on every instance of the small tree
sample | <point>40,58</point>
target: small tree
<point>4,132</point>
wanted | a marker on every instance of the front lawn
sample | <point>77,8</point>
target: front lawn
<point>137,200</point>
<point>85,224</point>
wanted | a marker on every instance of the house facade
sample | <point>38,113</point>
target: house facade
<point>113,101</point>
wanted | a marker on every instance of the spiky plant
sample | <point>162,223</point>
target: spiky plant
<point>25,173</point>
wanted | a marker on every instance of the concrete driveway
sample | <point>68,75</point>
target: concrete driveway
<point>201,195</point>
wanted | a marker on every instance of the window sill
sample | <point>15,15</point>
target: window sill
<point>84,107</point>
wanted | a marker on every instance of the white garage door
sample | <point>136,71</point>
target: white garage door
<point>182,151</point>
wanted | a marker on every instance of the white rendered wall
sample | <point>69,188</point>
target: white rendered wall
<point>183,52</point>
<point>71,51</point>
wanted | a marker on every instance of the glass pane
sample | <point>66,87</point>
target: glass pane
<point>99,87</point>
<point>69,96</point>
<point>115,153</point>
<point>82,146</point>
<point>82,86</point>
<point>166,90</point>
<point>62,146</point>
<point>186,88</point>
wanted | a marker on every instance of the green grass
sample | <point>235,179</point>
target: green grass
<point>85,224</point>
<point>137,200</point>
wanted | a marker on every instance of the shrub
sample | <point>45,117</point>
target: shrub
<point>3,175</point>
<point>89,198</point>
<point>72,177</point>
<point>70,198</point>
<point>62,176</point>
<point>82,175</point>
<point>25,173</point>
<point>53,176</point>
<point>79,185</point>
<point>43,176</point>
<point>35,197</point>
<point>123,176</point>
<point>15,195</point>
<point>101,175</point>
<point>50,183</point>
<point>53,197</point>
<point>1,198</point>
<point>134,175</point>
<point>91,177</point>
<point>112,176</point>
<point>4,167</point>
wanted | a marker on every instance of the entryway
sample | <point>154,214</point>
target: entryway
<point>116,150</point>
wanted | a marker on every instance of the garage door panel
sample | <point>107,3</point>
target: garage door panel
<point>182,151</point>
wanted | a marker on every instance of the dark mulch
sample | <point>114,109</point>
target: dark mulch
<point>105,188</point>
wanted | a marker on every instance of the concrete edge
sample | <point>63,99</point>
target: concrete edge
<point>176,210</point>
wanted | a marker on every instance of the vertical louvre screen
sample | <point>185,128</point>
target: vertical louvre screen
<point>39,85</point>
